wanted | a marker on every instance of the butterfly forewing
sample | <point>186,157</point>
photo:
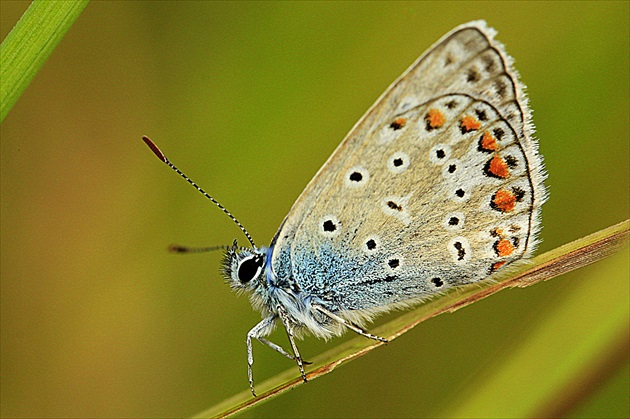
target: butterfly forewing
<point>439,184</point>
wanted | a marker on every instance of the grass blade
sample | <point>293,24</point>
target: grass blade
<point>30,43</point>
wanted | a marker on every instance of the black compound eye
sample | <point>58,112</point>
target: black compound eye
<point>249,268</point>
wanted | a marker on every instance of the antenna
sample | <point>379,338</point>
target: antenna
<point>176,248</point>
<point>156,150</point>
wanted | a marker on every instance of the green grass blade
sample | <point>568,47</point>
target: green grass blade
<point>28,45</point>
<point>563,259</point>
<point>512,386</point>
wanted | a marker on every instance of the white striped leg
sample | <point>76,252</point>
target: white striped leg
<point>261,329</point>
<point>289,328</point>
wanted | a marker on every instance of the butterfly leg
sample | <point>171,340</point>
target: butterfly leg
<point>276,348</point>
<point>261,329</point>
<point>289,328</point>
<point>350,325</point>
<point>279,349</point>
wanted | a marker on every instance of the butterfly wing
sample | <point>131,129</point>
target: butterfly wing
<point>439,184</point>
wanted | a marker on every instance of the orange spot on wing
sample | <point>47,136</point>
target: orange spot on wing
<point>496,266</point>
<point>503,200</point>
<point>488,142</point>
<point>435,118</point>
<point>504,247</point>
<point>498,167</point>
<point>398,123</point>
<point>469,123</point>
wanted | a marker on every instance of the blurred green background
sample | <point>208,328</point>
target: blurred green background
<point>249,99</point>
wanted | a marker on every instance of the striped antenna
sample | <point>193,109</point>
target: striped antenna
<point>156,150</point>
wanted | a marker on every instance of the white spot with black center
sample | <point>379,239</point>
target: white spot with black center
<point>329,226</point>
<point>396,206</point>
<point>394,263</point>
<point>439,154</point>
<point>454,221</point>
<point>436,282</point>
<point>398,162</point>
<point>356,177</point>
<point>460,250</point>
<point>452,169</point>
<point>371,244</point>
<point>460,193</point>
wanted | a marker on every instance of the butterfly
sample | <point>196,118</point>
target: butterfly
<point>438,185</point>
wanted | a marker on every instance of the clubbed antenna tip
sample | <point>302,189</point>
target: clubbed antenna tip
<point>155,149</point>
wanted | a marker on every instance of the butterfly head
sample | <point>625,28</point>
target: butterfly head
<point>244,268</point>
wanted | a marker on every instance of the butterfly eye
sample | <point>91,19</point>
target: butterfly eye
<point>249,268</point>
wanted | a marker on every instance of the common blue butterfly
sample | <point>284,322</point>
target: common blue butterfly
<point>439,184</point>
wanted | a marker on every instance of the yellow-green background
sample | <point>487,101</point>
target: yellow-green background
<point>249,99</point>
